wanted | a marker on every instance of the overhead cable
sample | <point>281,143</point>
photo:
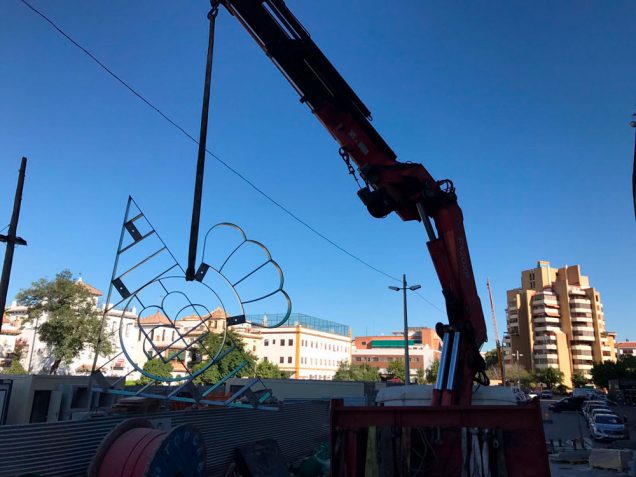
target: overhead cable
<point>211,154</point>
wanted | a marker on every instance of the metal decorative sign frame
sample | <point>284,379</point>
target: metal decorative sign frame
<point>154,282</point>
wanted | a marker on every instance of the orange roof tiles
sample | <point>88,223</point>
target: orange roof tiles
<point>91,289</point>
<point>157,319</point>
<point>626,344</point>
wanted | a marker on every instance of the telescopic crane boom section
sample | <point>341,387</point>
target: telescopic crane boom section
<point>391,186</point>
<point>500,357</point>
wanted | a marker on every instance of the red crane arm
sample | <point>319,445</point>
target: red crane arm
<point>406,188</point>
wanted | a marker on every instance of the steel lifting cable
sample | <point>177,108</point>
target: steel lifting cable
<point>203,135</point>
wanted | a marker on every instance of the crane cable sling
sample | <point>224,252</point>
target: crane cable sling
<point>198,182</point>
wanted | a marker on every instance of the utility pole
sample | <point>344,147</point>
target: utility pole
<point>407,367</point>
<point>500,356</point>
<point>12,240</point>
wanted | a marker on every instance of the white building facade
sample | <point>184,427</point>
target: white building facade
<point>307,347</point>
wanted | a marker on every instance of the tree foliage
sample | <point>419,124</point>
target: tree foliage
<point>515,373</point>
<point>355,372</point>
<point>491,358</point>
<point>420,377</point>
<point>578,380</point>
<point>623,368</point>
<point>396,369</point>
<point>551,377</point>
<point>16,355</point>
<point>73,321</point>
<point>267,369</point>
<point>210,345</point>
<point>156,367</point>
<point>14,368</point>
<point>431,372</point>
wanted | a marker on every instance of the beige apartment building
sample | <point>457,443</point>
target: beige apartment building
<point>556,320</point>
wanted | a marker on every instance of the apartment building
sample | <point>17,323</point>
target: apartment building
<point>379,351</point>
<point>306,346</point>
<point>556,319</point>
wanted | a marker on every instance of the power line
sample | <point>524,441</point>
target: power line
<point>429,302</point>
<point>210,153</point>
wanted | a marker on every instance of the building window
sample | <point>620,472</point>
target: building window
<point>282,342</point>
<point>290,342</point>
<point>273,342</point>
<point>128,327</point>
<point>358,358</point>
<point>281,360</point>
<point>266,343</point>
<point>289,359</point>
<point>265,359</point>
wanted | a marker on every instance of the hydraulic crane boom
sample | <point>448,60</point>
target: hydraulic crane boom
<point>391,186</point>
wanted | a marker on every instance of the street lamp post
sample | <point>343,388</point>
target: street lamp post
<point>407,367</point>
<point>517,355</point>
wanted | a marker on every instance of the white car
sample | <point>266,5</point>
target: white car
<point>586,406</point>
<point>608,427</point>
<point>597,411</point>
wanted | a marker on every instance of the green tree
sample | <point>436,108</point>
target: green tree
<point>14,368</point>
<point>210,345</point>
<point>551,377</point>
<point>431,372</point>
<point>156,367</point>
<point>578,380</point>
<point>420,378</point>
<point>396,369</point>
<point>16,355</point>
<point>267,369</point>
<point>354,372</point>
<point>72,319</point>
<point>491,358</point>
<point>624,367</point>
<point>515,373</point>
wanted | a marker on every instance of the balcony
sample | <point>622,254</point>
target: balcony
<point>582,366</point>
<point>577,291</point>
<point>584,320</point>
<point>584,336</point>
<point>542,320</point>
<point>545,346</point>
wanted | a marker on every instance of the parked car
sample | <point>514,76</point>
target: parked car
<point>597,411</point>
<point>587,404</point>
<point>547,394</point>
<point>521,397</point>
<point>608,427</point>
<point>567,404</point>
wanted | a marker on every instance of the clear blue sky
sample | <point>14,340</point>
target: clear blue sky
<point>525,105</point>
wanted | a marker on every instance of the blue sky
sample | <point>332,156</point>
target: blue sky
<point>524,105</point>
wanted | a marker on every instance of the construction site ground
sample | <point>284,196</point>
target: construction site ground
<point>571,425</point>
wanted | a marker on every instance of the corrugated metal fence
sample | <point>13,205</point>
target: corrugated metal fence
<point>66,448</point>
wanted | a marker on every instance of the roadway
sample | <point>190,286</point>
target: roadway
<point>571,425</point>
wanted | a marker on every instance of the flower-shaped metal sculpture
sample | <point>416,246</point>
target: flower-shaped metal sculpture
<point>176,316</point>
